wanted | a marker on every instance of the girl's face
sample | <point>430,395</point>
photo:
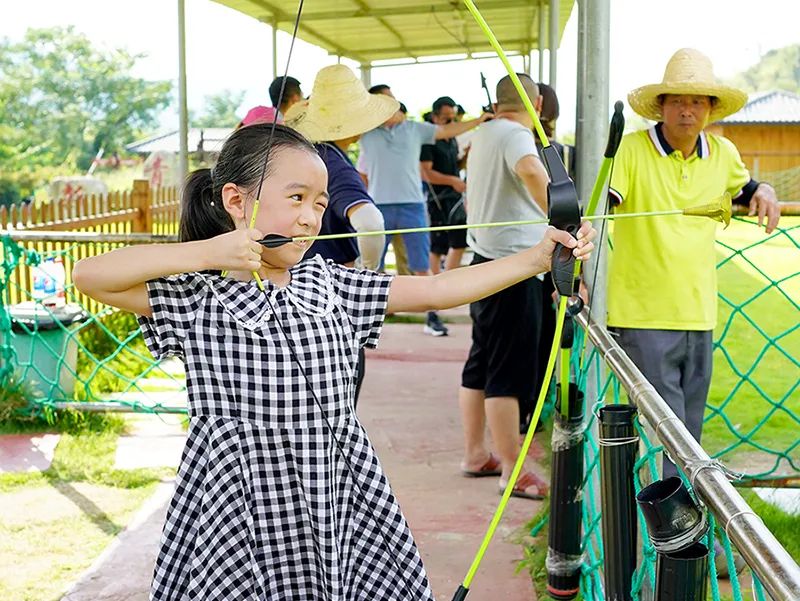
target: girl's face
<point>293,198</point>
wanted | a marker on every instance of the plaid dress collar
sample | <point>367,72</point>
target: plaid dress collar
<point>309,291</point>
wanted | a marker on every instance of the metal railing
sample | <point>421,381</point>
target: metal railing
<point>773,565</point>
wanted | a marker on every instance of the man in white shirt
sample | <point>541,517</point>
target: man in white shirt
<point>506,182</point>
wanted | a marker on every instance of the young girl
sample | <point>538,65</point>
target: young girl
<point>279,495</point>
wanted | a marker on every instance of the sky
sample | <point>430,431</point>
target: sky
<point>227,50</point>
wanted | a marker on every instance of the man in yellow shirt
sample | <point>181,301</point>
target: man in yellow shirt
<point>662,283</point>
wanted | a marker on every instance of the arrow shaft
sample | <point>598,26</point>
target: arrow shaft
<point>473,226</point>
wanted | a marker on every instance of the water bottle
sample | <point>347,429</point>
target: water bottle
<point>40,277</point>
<point>59,281</point>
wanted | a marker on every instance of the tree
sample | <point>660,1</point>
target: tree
<point>220,110</point>
<point>777,69</point>
<point>62,100</point>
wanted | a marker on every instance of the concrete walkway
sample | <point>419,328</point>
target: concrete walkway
<point>408,406</point>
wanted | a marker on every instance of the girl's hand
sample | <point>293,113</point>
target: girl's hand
<point>582,247</point>
<point>238,250</point>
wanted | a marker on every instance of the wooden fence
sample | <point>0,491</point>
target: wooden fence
<point>140,210</point>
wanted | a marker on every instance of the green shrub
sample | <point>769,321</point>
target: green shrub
<point>103,367</point>
<point>21,410</point>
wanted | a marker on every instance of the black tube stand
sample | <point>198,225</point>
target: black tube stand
<point>682,575</point>
<point>619,449</point>
<point>564,555</point>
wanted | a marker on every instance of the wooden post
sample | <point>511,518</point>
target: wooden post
<point>141,201</point>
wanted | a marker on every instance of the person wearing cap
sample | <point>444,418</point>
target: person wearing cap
<point>339,110</point>
<point>440,172</point>
<point>260,114</point>
<point>662,280</point>
<point>391,160</point>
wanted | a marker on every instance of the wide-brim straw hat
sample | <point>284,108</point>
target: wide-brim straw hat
<point>689,71</point>
<point>340,107</point>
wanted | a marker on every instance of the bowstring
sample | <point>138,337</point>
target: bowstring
<point>285,335</point>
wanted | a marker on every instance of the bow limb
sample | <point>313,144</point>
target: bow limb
<point>564,213</point>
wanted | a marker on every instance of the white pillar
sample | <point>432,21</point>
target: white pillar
<point>542,34</point>
<point>274,48</point>
<point>366,75</point>
<point>183,110</point>
<point>553,39</point>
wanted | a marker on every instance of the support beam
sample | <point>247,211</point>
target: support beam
<point>516,44</point>
<point>419,9</point>
<point>274,14</point>
<point>540,41</point>
<point>366,75</point>
<point>274,48</point>
<point>183,109</point>
<point>594,18</point>
<point>400,41</point>
<point>553,39</point>
<point>591,129</point>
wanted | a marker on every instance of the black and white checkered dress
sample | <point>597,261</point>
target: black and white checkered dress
<point>265,507</point>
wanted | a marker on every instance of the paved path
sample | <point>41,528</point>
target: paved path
<point>409,409</point>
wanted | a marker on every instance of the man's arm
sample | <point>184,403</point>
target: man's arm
<point>366,217</point>
<point>430,175</point>
<point>764,202</point>
<point>451,130</point>
<point>533,174</point>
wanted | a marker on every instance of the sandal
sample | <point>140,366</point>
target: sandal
<point>492,467</point>
<point>523,483</point>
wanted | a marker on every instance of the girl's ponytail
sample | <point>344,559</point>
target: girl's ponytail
<point>202,213</point>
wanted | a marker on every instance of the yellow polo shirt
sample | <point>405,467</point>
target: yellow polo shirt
<point>662,272</point>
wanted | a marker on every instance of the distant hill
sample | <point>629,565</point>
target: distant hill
<point>777,70</point>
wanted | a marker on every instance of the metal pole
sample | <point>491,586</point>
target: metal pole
<point>116,407</point>
<point>183,109</point>
<point>775,568</point>
<point>53,236</point>
<point>553,39</point>
<point>274,48</point>
<point>542,34</point>
<point>591,129</point>
<point>366,75</point>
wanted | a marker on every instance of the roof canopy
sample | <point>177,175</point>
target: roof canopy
<point>378,30</point>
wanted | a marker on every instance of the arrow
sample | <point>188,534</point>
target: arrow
<point>718,210</point>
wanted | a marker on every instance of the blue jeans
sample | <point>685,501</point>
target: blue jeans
<point>407,215</point>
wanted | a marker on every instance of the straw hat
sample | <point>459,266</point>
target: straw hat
<point>340,107</point>
<point>689,71</point>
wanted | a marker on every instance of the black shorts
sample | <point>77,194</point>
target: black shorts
<point>441,242</point>
<point>504,357</point>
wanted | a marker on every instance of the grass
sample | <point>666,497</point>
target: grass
<point>55,522</point>
<point>754,391</point>
<point>785,526</point>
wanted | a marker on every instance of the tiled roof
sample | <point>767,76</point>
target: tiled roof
<point>777,106</point>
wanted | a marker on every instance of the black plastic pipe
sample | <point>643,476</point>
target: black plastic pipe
<point>619,448</point>
<point>564,555</point>
<point>683,575</point>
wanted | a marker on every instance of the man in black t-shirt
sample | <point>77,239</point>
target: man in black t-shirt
<point>440,170</point>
